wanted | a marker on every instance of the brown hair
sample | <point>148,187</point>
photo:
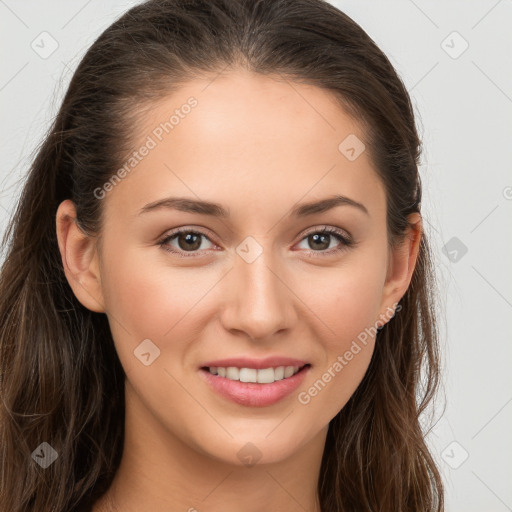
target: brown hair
<point>60,378</point>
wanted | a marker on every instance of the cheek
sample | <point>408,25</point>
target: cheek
<point>349,310</point>
<point>350,305</point>
<point>148,299</point>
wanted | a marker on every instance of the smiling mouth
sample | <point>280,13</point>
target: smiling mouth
<point>260,376</point>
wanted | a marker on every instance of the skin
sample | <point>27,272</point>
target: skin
<point>257,146</point>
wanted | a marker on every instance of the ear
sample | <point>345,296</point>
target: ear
<point>401,266</point>
<point>79,258</point>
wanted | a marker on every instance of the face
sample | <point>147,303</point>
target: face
<point>260,283</point>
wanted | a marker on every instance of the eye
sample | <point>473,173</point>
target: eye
<point>187,240</point>
<point>320,241</point>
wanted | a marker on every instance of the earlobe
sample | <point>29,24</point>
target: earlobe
<point>79,258</point>
<point>403,259</point>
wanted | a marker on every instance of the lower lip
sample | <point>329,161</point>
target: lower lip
<point>253,394</point>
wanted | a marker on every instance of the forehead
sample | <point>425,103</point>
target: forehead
<point>242,137</point>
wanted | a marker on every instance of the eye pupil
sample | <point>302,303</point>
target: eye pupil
<point>193,241</point>
<point>317,236</point>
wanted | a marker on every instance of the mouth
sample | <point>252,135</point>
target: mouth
<point>254,387</point>
<point>255,375</point>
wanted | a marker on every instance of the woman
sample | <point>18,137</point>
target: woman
<point>217,292</point>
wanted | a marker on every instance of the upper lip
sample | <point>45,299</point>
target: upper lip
<point>245,362</point>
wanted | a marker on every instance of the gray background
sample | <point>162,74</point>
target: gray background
<point>463,99</point>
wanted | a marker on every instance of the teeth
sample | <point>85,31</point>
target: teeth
<point>263,376</point>
<point>246,375</point>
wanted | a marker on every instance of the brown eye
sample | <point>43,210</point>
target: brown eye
<point>320,241</point>
<point>183,241</point>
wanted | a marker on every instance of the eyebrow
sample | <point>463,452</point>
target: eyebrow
<point>184,204</point>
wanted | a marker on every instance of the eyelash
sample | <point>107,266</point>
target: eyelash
<point>346,242</point>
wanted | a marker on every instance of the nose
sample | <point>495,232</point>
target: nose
<point>258,301</point>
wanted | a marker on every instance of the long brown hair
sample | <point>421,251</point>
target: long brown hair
<point>61,381</point>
